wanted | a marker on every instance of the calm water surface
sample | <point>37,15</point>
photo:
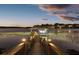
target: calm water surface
<point>65,39</point>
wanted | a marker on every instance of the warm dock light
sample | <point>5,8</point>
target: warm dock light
<point>23,40</point>
<point>69,31</point>
<point>49,40</point>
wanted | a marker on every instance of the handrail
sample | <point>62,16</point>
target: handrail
<point>56,49</point>
<point>14,50</point>
<point>50,44</point>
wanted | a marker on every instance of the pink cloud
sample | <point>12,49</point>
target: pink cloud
<point>63,11</point>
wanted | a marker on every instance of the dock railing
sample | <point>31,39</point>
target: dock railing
<point>17,49</point>
<point>50,47</point>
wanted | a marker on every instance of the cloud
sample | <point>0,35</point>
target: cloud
<point>69,18</point>
<point>53,6</point>
<point>63,11</point>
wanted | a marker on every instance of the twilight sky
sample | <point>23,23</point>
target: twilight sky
<point>29,15</point>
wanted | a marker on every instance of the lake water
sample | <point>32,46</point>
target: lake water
<point>10,39</point>
<point>64,38</point>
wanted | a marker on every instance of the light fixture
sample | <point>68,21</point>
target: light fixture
<point>43,31</point>
<point>23,40</point>
<point>49,40</point>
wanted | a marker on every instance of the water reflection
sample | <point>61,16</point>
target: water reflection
<point>10,39</point>
<point>66,39</point>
